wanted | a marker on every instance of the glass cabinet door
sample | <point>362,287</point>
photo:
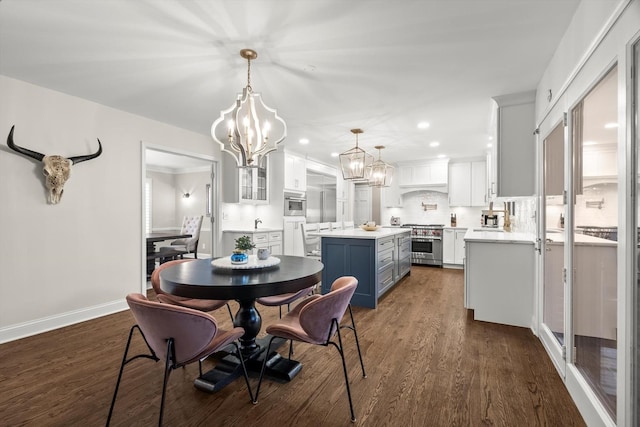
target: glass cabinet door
<point>253,184</point>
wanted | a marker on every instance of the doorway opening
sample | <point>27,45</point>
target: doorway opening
<point>178,184</point>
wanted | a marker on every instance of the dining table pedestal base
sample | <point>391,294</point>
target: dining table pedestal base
<point>228,367</point>
<point>280,368</point>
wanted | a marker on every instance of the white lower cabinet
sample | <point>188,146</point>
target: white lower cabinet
<point>274,243</point>
<point>292,239</point>
<point>448,247</point>
<point>453,247</point>
<point>269,239</point>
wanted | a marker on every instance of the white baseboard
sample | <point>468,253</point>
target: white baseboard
<point>45,324</point>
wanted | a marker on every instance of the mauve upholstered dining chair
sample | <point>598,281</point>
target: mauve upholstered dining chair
<point>196,304</point>
<point>179,335</point>
<point>285,299</point>
<point>316,320</point>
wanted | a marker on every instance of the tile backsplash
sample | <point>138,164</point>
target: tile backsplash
<point>413,211</point>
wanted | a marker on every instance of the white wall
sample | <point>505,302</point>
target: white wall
<point>589,18</point>
<point>76,260</point>
<point>195,184</point>
<point>163,199</point>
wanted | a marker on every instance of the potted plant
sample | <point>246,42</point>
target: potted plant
<point>243,244</point>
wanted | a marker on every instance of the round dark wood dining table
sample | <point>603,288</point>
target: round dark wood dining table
<point>199,279</point>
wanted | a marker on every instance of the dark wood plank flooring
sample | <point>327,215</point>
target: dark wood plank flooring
<point>428,364</point>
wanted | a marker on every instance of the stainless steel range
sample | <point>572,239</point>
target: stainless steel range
<point>426,243</point>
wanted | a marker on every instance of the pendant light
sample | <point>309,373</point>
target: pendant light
<point>355,163</point>
<point>249,129</point>
<point>381,173</point>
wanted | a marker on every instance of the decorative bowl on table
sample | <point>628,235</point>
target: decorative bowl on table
<point>253,262</point>
<point>366,227</point>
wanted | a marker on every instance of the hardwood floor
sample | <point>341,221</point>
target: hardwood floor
<point>428,364</point>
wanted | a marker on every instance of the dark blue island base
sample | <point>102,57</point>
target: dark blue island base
<point>377,259</point>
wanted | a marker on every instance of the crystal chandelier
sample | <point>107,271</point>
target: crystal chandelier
<point>249,130</point>
<point>381,173</point>
<point>355,163</point>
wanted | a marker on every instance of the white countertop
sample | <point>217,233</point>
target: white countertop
<point>252,230</point>
<point>358,233</point>
<point>580,239</point>
<point>498,236</point>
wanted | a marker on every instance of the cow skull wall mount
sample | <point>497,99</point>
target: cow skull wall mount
<point>56,169</point>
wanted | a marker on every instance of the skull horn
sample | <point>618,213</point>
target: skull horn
<point>78,159</point>
<point>25,151</point>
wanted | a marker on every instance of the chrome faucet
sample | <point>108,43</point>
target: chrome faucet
<point>256,222</point>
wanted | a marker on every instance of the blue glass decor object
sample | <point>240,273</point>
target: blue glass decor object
<point>239,258</point>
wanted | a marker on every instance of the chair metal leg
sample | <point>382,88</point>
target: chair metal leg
<point>355,332</point>
<point>168,366</point>
<point>125,361</point>
<point>244,372</point>
<point>344,369</point>
<point>264,365</point>
<point>230,313</point>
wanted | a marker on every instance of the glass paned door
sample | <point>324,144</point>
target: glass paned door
<point>554,232</point>
<point>594,251</point>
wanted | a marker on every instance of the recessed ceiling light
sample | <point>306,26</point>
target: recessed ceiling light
<point>434,144</point>
<point>611,125</point>
<point>334,154</point>
<point>423,125</point>
<point>441,156</point>
<point>490,138</point>
<point>489,145</point>
<point>304,141</point>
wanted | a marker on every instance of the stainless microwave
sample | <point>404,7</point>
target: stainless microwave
<point>295,206</point>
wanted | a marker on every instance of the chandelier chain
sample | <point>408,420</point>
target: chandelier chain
<point>249,74</point>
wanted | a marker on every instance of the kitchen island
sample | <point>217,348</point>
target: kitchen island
<point>499,276</point>
<point>378,259</point>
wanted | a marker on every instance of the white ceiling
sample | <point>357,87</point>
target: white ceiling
<point>326,65</point>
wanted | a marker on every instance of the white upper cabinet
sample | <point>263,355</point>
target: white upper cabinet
<point>468,183</point>
<point>430,173</point>
<point>295,173</point>
<point>460,184</point>
<point>513,168</point>
<point>479,194</point>
<point>244,185</point>
<point>600,162</point>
